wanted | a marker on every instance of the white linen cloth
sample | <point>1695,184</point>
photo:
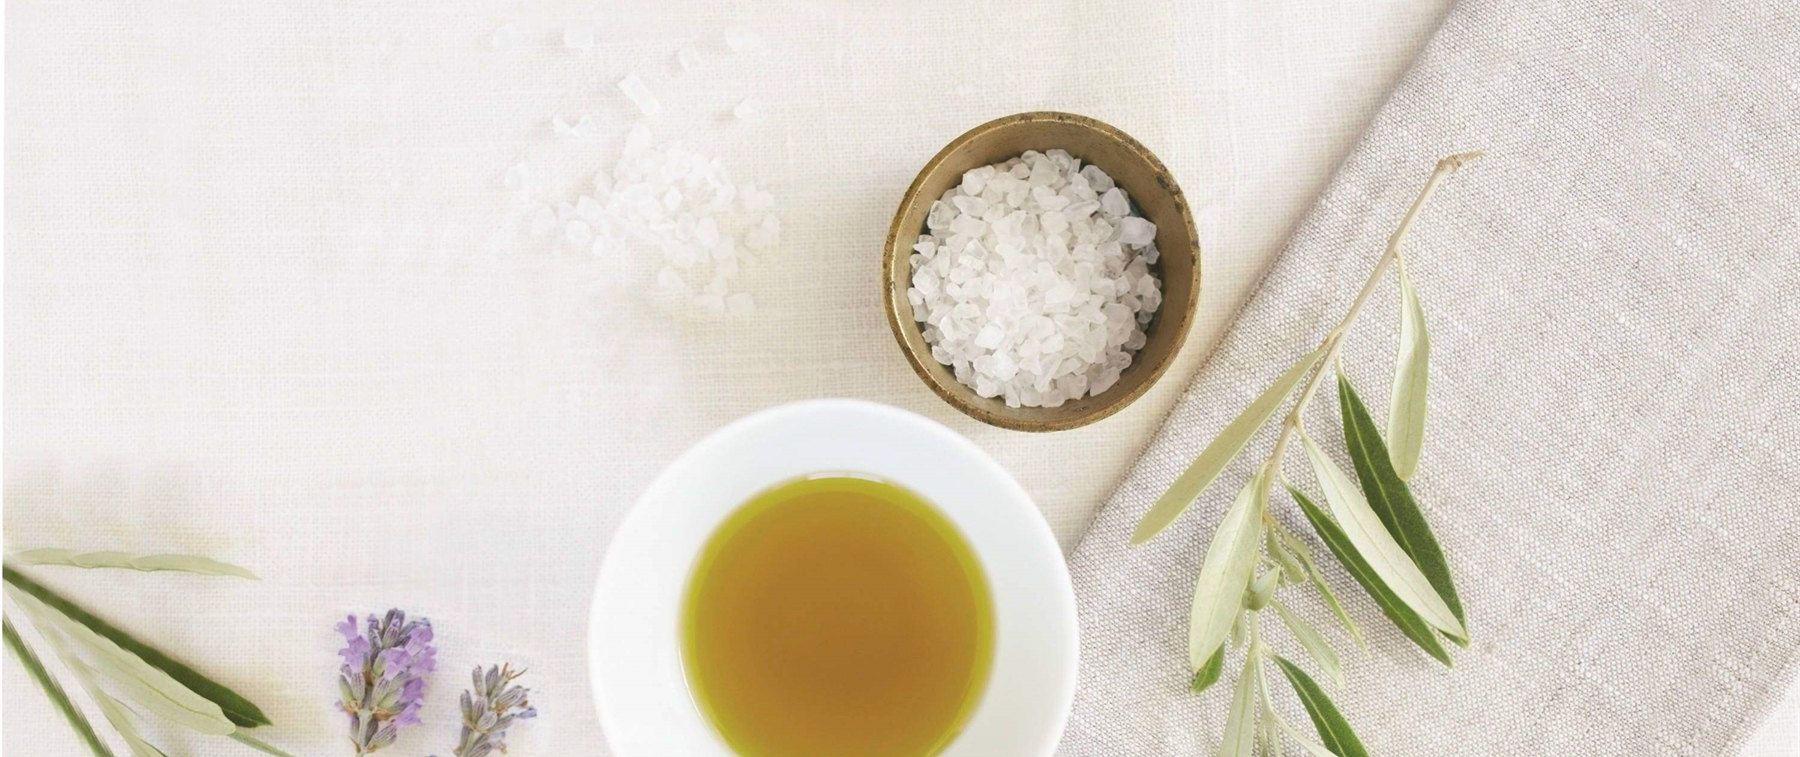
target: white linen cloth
<point>1610,455</point>
<point>267,300</point>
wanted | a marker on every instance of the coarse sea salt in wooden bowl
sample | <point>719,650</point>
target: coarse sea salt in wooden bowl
<point>1154,196</point>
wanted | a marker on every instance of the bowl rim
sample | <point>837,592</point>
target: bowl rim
<point>892,260</point>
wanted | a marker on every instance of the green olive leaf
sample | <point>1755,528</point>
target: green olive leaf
<point>1262,590</point>
<point>1219,591</point>
<point>1315,645</point>
<point>246,739</point>
<point>1292,568</point>
<point>54,691</point>
<point>149,687</point>
<point>1406,411</point>
<point>1409,622</point>
<point>1208,674</point>
<point>1334,731</point>
<point>1225,447</point>
<point>116,713</point>
<point>1240,721</point>
<point>1372,540</point>
<point>241,711</point>
<point>1392,501</point>
<point>205,566</point>
<point>1312,747</point>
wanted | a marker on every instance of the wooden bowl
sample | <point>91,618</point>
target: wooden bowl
<point>1154,194</point>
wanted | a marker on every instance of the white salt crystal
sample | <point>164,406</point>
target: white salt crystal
<point>582,128</point>
<point>519,178</point>
<point>671,282</point>
<point>706,232</point>
<point>579,233</point>
<point>742,40</point>
<point>589,209</point>
<point>1033,281</point>
<point>747,110</point>
<point>639,94</point>
<point>579,37</point>
<point>710,303</point>
<point>1097,179</point>
<point>1136,231</point>
<point>687,59</point>
<point>1114,203</point>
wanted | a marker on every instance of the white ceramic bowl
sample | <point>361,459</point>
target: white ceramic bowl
<point>634,649</point>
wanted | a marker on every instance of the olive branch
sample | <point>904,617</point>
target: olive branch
<point>129,681</point>
<point>1371,525</point>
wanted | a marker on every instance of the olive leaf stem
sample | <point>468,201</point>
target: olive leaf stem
<point>1333,342</point>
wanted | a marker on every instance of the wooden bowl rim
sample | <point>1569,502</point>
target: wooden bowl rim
<point>892,261</point>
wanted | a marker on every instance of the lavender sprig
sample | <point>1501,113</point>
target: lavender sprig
<point>492,705</point>
<point>382,682</point>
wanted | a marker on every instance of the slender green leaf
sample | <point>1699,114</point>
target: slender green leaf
<point>240,710</point>
<point>1262,590</point>
<point>1212,460</point>
<point>260,746</point>
<point>140,682</point>
<point>54,691</point>
<point>1312,747</point>
<point>1393,502</point>
<point>1269,738</point>
<point>1376,545</point>
<point>1240,721</point>
<point>1337,609</point>
<point>1219,591</point>
<point>121,720</point>
<point>1333,730</point>
<point>205,566</point>
<point>1293,569</point>
<point>117,714</point>
<point>1208,674</point>
<point>1404,618</point>
<point>1315,645</point>
<point>1406,411</point>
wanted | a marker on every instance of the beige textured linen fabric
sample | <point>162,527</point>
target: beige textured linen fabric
<point>1610,461</point>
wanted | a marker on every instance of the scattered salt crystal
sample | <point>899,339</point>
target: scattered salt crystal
<point>579,37</point>
<point>687,59</point>
<point>505,36</point>
<point>1033,281</point>
<point>747,110</point>
<point>579,233</point>
<point>671,282</point>
<point>710,303</point>
<point>639,94</point>
<point>582,128</point>
<point>742,40</point>
<point>519,178</point>
<point>666,204</point>
<point>589,209</point>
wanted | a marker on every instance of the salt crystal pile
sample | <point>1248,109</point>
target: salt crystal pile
<point>678,208</point>
<point>1033,281</point>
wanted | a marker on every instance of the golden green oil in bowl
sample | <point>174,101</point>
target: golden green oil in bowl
<point>837,617</point>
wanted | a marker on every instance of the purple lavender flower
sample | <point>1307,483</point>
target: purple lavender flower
<point>488,708</point>
<point>382,683</point>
